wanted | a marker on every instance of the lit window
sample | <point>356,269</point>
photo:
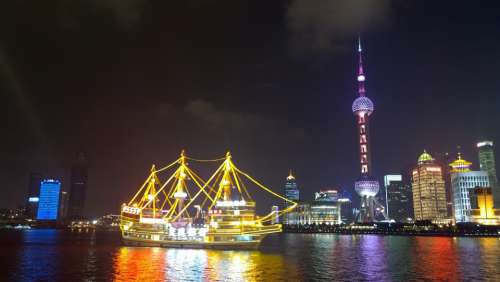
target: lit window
<point>363,139</point>
<point>364,169</point>
<point>363,159</point>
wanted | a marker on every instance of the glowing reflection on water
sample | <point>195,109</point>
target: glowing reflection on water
<point>49,255</point>
<point>436,259</point>
<point>157,264</point>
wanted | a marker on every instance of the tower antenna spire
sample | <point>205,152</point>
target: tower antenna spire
<point>361,74</point>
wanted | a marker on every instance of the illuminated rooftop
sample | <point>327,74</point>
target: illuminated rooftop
<point>484,143</point>
<point>425,158</point>
<point>460,165</point>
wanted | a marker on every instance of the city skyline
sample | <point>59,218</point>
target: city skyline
<point>115,105</point>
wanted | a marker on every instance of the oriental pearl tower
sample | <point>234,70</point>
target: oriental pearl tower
<point>366,186</point>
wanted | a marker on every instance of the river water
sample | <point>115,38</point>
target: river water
<point>51,255</point>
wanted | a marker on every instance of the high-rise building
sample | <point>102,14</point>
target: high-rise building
<point>463,183</point>
<point>63,205</point>
<point>429,196</point>
<point>366,186</point>
<point>33,196</point>
<point>48,205</point>
<point>398,198</point>
<point>444,160</point>
<point>291,189</point>
<point>483,211</point>
<point>275,218</point>
<point>78,187</point>
<point>292,193</point>
<point>487,163</point>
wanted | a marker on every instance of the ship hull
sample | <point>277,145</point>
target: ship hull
<point>220,245</point>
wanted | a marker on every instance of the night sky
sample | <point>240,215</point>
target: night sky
<point>133,82</point>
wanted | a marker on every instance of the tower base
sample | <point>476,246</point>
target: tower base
<point>370,208</point>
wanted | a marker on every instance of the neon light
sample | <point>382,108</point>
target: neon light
<point>484,143</point>
<point>231,203</point>
<point>33,199</point>
<point>131,210</point>
<point>180,195</point>
<point>151,220</point>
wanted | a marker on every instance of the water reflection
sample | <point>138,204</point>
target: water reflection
<point>48,255</point>
<point>373,251</point>
<point>436,259</point>
<point>157,264</point>
<point>139,264</point>
<point>37,255</point>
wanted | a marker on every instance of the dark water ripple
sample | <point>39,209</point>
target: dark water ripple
<point>50,255</point>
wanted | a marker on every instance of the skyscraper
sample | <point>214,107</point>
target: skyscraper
<point>292,193</point>
<point>48,206</point>
<point>487,163</point>
<point>429,196</point>
<point>444,160</point>
<point>463,183</point>
<point>291,189</point>
<point>78,187</point>
<point>33,196</point>
<point>366,186</point>
<point>63,205</point>
<point>399,205</point>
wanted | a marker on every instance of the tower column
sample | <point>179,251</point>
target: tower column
<point>366,186</point>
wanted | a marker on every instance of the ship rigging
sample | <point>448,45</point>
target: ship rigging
<point>186,211</point>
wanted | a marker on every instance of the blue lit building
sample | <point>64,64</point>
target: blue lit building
<point>48,203</point>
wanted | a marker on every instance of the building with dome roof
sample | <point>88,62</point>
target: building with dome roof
<point>428,189</point>
<point>425,158</point>
<point>463,183</point>
<point>366,186</point>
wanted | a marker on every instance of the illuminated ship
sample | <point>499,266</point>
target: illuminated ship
<point>185,211</point>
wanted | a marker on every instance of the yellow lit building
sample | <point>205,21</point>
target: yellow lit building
<point>429,196</point>
<point>484,212</point>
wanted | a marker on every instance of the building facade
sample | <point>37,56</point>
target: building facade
<point>276,217</point>
<point>487,163</point>
<point>48,205</point>
<point>483,211</point>
<point>429,195</point>
<point>325,209</point>
<point>78,188</point>
<point>463,182</point>
<point>33,196</point>
<point>444,161</point>
<point>398,198</point>
<point>63,205</point>
<point>291,189</point>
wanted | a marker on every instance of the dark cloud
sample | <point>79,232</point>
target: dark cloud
<point>126,14</point>
<point>318,26</point>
